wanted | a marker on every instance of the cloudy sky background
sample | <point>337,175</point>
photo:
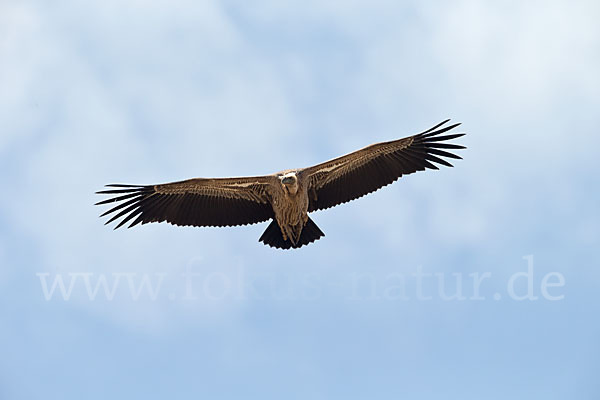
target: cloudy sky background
<point>127,91</point>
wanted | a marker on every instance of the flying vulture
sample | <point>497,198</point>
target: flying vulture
<point>286,197</point>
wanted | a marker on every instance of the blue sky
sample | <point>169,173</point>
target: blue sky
<point>125,91</point>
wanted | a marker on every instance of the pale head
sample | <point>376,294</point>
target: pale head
<point>289,182</point>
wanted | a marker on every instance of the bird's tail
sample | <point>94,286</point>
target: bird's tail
<point>273,237</point>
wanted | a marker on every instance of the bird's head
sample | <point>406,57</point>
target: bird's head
<point>289,182</point>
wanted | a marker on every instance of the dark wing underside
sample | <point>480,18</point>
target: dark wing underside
<point>196,202</point>
<point>364,171</point>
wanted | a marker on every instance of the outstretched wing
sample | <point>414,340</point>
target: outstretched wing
<point>364,171</point>
<point>197,202</point>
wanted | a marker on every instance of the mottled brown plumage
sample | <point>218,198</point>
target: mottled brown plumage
<point>285,197</point>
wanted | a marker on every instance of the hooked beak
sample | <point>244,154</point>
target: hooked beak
<point>288,180</point>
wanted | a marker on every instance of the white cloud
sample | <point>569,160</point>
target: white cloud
<point>19,32</point>
<point>522,57</point>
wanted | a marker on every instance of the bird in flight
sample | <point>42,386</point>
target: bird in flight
<point>286,197</point>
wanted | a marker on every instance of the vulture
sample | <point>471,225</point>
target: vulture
<point>285,197</point>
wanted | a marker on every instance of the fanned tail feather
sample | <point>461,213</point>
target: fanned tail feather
<point>273,237</point>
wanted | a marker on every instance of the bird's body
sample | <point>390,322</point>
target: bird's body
<point>285,197</point>
<point>291,206</point>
